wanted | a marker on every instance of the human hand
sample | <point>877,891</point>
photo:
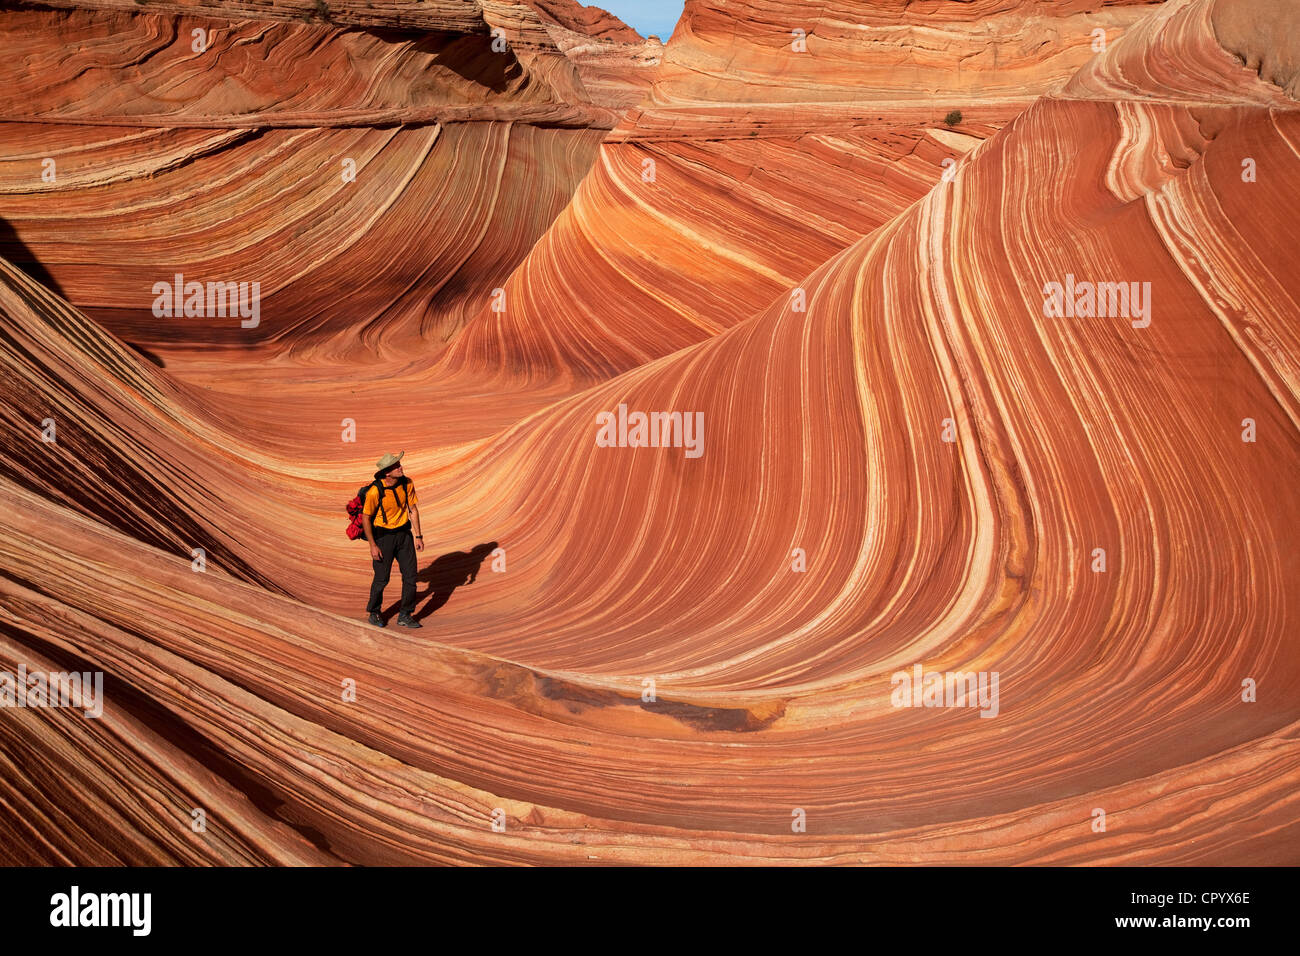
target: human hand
<point>375,553</point>
<point>419,545</point>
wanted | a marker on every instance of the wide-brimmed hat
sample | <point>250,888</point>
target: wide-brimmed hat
<point>387,462</point>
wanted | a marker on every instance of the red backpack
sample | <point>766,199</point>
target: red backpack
<point>355,507</point>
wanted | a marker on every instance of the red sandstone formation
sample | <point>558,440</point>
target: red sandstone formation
<point>591,22</point>
<point>423,164</point>
<point>614,61</point>
<point>861,58</point>
<point>147,68</point>
<point>946,456</point>
<point>766,161</point>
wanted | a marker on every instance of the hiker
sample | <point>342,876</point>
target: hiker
<point>392,498</point>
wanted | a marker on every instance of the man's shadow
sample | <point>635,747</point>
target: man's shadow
<point>445,575</point>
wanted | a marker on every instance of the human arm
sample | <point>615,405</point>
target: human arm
<point>368,528</point>
<point>415,521</point>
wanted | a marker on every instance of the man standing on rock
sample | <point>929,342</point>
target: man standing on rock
<point>392,499</point>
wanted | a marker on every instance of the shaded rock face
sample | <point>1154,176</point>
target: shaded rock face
<point>1015,397</point>
<point>106,66</point>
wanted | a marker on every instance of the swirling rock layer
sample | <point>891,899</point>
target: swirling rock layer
<point>946,456</point>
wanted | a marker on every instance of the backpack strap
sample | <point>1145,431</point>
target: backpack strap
<point>401,483</point>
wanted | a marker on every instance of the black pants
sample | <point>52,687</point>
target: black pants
<point>398,543</point>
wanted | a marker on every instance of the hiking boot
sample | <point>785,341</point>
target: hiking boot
<point>376,620</point>
<point>405,620</point>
